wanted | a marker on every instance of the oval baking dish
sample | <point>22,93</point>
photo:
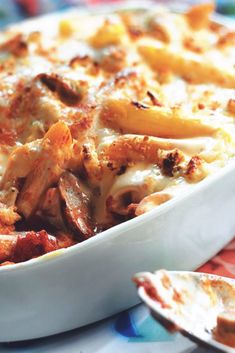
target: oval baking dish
<point>89,281</point>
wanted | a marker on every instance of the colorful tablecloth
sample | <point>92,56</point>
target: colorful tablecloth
<point>15,10</point>
<point>133,330</point>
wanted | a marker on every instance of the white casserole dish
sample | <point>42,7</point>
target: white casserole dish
<point>90,281</point>
<point>73,287</point>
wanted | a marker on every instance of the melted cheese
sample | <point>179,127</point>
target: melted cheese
<point>76,65</point>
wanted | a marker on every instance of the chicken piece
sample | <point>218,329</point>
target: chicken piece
<point>76,206</point>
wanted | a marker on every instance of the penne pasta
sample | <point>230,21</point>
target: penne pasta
<point>151,201</point>
<point>46,168</point>
<point>131,117</point>
<point>193,67</point>
<point>198,16</point>
<point>138,147</point>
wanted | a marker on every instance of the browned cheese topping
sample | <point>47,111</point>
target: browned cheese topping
<point>104,117</point>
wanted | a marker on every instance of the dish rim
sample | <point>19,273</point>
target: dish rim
<point>158,210</point>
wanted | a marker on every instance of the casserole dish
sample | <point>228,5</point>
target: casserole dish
<point>90,281</point>
<point>72,287</point>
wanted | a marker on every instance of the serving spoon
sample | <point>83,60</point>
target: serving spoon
<point>199,306</point>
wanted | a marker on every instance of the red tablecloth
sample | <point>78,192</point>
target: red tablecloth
<point>223,263</point>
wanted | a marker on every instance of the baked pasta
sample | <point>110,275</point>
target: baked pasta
<point>104,117</point>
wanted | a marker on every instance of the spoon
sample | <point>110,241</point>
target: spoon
<point>199,306</point>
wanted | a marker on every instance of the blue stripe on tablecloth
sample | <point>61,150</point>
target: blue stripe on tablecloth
<point>137,326</point>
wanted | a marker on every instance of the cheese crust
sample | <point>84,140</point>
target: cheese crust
<point>104,117</point>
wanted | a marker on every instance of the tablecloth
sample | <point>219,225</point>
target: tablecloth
<point>15,10</point>
<point>133,330</point>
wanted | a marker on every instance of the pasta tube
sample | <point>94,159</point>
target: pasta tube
<point>132,186</point>
<point>198,16</point>
<point>56,149</point>
<point>151,201</point>
<point>188,65</point>
<point>155,121</point>
<point>136,147</point>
